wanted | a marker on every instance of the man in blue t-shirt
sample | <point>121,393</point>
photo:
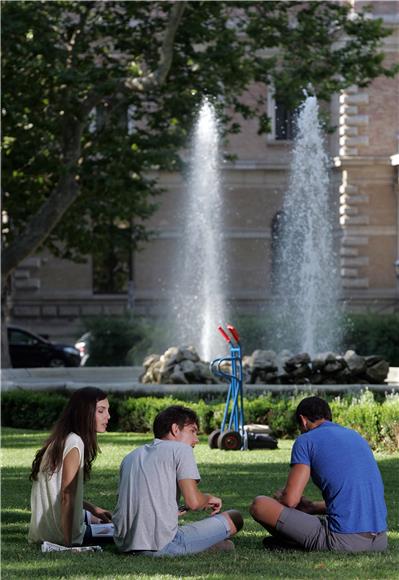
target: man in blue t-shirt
<point>341,464</point>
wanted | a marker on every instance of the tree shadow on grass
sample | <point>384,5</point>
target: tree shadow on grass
<point>124,439</point>
<point>249,560</point>
<point>237,479</point>
<point>23,440</point>
<point>16,438</point>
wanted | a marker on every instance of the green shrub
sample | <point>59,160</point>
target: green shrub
<point>377,334</point>
<point>367,334</point>
<point>390,422</point>
<point>138,414</point>
<point>207,415</point>
<point>111,339</point>
<point>375,419</point>
<point>31,409</point>
<point>277,412</point>
<point>119,341</point>
<point>256,332</point>
<point>361,413</point>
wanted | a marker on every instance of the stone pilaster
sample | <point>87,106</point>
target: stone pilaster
<point>353,138</point>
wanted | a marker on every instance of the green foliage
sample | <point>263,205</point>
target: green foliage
<point>156,339</point>
<point>111,339</point>
<point>390,423</point>
<point>374,334</point>
<point>361,413</point>
<point>367,334</point>
<point>30,409</point>
<point>376,420</point>
<point>138,414</point>
<point>256,332</point>
<point>63,60</point>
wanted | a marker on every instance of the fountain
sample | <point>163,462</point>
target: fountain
<point>306,279</point>
<point>305,275</point>
<point>198,301</point>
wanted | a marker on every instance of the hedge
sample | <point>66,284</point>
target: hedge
<point>31,409</point>
<point>376,419</point>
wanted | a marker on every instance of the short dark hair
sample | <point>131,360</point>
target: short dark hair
<point>175,414</point>
<point>313,408</point>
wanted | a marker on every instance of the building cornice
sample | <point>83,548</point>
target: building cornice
<point>361,160</point>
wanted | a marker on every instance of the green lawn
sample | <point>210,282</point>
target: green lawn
<point>236,476</point>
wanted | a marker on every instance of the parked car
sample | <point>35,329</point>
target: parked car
<point>83,346</point>
<point>29,350</point>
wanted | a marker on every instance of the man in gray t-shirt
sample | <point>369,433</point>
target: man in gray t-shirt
<point>151,480</point>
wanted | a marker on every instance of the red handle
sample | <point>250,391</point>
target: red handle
<point>223,333</point>
<point>233,332</point>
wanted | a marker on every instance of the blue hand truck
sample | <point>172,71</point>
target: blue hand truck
<point>233,434</point>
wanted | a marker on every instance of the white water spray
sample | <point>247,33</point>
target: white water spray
<point>307,281</point>
<point>198,298</point>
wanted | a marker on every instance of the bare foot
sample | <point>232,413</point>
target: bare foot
<point>223,546</point>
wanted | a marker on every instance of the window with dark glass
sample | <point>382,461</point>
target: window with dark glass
<point>112,267</point>
<point>285,122</point>
<point>110,273</point>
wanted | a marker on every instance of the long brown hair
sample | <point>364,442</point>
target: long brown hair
<point>79,416</point>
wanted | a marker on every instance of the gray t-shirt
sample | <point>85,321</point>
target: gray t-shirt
<point>145,517</point>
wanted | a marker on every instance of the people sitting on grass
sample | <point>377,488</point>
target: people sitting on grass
<point>341,464</point>
<point>59,513</point>
<point>152,478</point>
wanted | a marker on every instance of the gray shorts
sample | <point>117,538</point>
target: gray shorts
<point>312,533</point>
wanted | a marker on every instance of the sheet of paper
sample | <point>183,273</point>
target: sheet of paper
<point>102,530</point>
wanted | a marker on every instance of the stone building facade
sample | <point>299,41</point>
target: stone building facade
<point>52,296</point>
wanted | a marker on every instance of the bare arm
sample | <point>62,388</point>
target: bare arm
<point>103,515</point>
<point>70,470</point>
<point>292,494</point>
<point>195,500</point>
<point>297,480</point>
<point>311,507</point>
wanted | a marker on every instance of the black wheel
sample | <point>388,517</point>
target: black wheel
<point>229,441</point>
<point>213,439</point>
<point>57,362</point>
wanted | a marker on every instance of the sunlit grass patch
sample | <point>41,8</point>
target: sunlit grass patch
<point>236,476</point>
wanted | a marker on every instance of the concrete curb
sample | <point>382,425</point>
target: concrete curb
<point>126,379</point>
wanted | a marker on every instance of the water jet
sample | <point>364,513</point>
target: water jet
<point>198,302</point>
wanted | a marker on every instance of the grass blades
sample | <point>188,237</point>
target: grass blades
<point>235,476</point>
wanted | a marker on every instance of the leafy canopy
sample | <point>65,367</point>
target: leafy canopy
<point>63,60</point>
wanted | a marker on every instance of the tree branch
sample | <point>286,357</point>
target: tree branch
<point>44,221</point>
<point>158,77</point>
<point>168,42</point>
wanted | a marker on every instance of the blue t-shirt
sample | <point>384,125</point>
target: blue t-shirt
<point>343,467</point>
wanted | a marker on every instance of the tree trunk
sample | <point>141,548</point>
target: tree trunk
<point>5,352</point>
<point>47,217</point>
<point>65,193</point>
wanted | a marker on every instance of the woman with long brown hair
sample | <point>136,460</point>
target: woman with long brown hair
<point>60,467</point>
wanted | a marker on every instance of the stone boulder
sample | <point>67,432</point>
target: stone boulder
<point>326,368</point>
<point>182,365</point>
<point>179,365</point>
